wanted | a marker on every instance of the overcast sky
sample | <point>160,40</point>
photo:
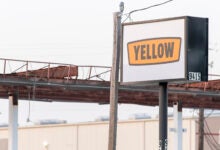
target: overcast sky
<point>81,31</point>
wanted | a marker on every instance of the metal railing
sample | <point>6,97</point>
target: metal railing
<point>29,69</point>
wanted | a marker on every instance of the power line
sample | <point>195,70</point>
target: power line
<point>137,10</point>
<point>208,115</point>
<point>209,142</point>
<point>212,139</point>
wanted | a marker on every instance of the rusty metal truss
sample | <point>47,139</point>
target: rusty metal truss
<point>45,81</point>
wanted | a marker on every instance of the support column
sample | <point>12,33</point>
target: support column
<point>13,122</point>
<point>163,104</point>
<point>178,125</point>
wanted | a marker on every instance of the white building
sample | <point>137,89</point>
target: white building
<point>132,135</point>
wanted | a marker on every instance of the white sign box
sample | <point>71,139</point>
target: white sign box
<point>157,51</point>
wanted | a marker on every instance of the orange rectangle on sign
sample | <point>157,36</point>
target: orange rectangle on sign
<point>154,51</point>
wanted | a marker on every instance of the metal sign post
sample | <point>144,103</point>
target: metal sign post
<point>163,116</point>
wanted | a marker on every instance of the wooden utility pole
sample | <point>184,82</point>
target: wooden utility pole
<point>114,85</point>
<point>201,129</point>
<point>115,80</point>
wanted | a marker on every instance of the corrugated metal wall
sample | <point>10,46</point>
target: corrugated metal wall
<point>3,144</point>
<point>132,135</point>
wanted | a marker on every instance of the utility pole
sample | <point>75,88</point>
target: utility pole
<point>115,80</point>
<point>201,129</point>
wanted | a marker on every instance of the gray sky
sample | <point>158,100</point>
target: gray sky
<point>81,32</point>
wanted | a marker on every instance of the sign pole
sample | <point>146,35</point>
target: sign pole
<point>114,80</point>
<point>163,102</point>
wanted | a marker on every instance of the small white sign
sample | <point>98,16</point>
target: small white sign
<point>194,76</point>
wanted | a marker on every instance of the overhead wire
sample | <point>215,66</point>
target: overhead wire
<point>211,141</point>
<point>214,142</point>
<point>209,136</point>
<point>128,15</point>
<point>208,115</point>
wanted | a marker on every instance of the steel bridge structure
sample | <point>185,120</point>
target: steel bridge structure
<point>49,82</point>
<point>45,81</point>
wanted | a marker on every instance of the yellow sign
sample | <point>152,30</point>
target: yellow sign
<point>154,51</point>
